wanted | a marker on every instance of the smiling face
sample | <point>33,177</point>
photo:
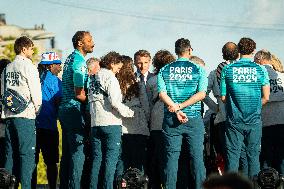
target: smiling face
<point>115,68</point>
<point>55,69</point>
<point>87,44</point>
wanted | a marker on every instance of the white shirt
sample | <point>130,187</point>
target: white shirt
<point>24,78</point>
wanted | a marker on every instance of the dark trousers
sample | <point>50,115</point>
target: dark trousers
<point>20,143</point>
<point>155,159</point>
<point>272,148</point>
<point>133,153</point>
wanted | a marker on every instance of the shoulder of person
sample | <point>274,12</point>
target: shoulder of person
<point>152,79</point>
<point>150,75</point>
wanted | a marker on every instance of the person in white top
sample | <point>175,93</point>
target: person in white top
<point>272,151</point>
<point>22,76</point>
<point>161,58</point>
<point>135,130</point>
<point>106,110</point>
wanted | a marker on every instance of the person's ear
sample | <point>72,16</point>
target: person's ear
<point>80,43</point>
<point>24,50</point>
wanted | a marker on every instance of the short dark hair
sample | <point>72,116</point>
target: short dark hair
<point>230,51</point>
<point>246,46</point>
<point>78,36</point>
<point>182,45</point>
<point>22,42</point>
<point>110,58</point>
<point>142,53</point>
<point>161,58</point>
<point>230,180</point>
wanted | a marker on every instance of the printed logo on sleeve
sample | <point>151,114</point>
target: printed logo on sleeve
<point>244,75</point>
<point>12,78</point>
<point>276,85</point>
<point>180,73</point>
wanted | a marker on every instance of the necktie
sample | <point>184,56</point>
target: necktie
<point>142,79</point>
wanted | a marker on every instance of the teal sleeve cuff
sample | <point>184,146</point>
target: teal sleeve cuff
<point>203,81</point>
<point>161,83</point>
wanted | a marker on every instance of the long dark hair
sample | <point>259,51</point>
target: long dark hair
<point>126,78</point>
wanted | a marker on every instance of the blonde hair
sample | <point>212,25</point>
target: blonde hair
<point>197,60</point>
<point>276,63</point>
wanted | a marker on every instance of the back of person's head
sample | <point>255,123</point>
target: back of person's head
<point>22,42</point>
<point>182,45</point>
<point>110,58</point>
<point>141,53</point>
<point>3,63</point>
<point>246,46</point>
<point>227,181</point>
<point>262,55</point>
<point>276,63</point>
<point>161,58</point>
<point>230,51</point>
<point>126,78</point>
<point>78,36</point>
<point>197,60</point>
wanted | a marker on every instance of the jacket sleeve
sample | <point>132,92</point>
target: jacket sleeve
<point>144,101</point>
<point>35,87</point>
<point>115,97</point>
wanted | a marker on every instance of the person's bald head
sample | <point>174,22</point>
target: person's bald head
<point>230,51</point>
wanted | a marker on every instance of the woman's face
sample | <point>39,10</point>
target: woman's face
<point>115,68</point>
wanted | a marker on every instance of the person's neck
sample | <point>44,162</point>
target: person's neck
<point>184,56</point>
<point>82,52</point>
<point>247,56</point>
<point>23,55</point>
<point>145,73</point>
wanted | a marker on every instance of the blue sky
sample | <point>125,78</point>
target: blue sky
<point>129,25</point>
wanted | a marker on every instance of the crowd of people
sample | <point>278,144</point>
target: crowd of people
<point>116,114</point>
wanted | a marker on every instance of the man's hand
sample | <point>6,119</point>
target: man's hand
<point>174,108</point>
<point>181,117</point>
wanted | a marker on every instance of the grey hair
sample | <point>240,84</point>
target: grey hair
<point>262,55</point>
<point>91,61</point>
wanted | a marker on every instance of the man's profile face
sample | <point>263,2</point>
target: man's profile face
<point>56,69</point>
<point>143,63</point>
<point>29,52</point>
<point>88,43</point>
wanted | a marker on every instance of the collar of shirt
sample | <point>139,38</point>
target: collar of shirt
<point>22,58</point>
<point>246,59</point>
<point>138,73</point>
<point>269,65</point>
<point>79,53</point>
<point>183,59</point>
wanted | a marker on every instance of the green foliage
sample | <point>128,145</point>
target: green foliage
<point>9,52</point>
